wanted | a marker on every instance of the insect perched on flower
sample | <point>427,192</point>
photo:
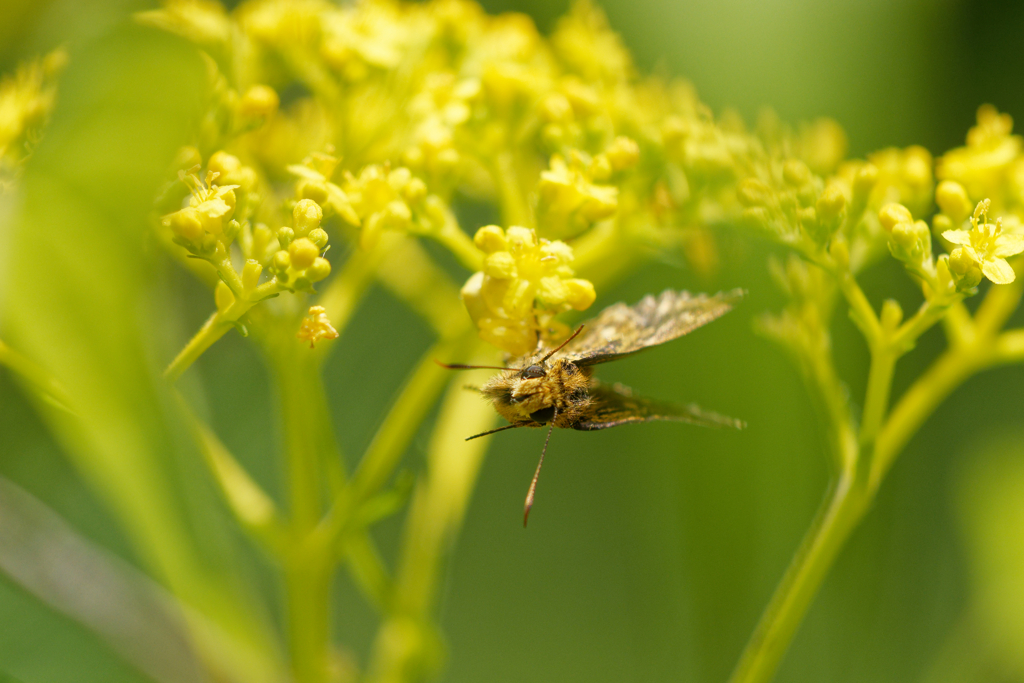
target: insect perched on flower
<point>555,386</point>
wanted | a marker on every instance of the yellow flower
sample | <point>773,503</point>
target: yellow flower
<point>569,202</point>
<point>388,199</point>
<point>314,183</point>
<point>986,246</point>
<point>315,326</point>
<point>524,283</point>
<point>982,165</point>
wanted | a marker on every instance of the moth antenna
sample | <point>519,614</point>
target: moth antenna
<point>571,337</point>
<point>492,431</point>
<point>457,366</point>
<point>533,484</point>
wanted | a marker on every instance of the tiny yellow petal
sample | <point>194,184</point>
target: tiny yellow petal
<point>500,264</point>
<point>998,271</point>
<point>1008,245</point>
<point>961,237</point>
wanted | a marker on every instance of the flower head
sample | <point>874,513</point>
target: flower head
<point>985,246</point>
<point>315,326</point>
<point>523,284</point>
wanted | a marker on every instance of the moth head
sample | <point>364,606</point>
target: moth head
<point>533,372</point>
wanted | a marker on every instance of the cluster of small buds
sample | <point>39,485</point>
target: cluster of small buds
<point>568,199</point>
<point>987,163</point>
<point>524,283</point>
<point>910,241</point>
<point>298,262</point>
<point>383,198</point>
<point>205,227</point>
<point>982,250</point>
<point>314,183</point>
<point>797,208</point>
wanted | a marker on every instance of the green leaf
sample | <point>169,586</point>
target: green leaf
<point>81,302</point>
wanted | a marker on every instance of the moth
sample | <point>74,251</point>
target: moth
<point>555,386</point>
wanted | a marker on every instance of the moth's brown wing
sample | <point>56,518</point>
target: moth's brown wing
<point>620,330</point>
<point>614,404</point>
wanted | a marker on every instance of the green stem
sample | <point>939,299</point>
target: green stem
<point>876,400</point>
<point>921,399</point>
<point>832,526</point>
<point>459,243</point>
<point>308,564</point>
<point>860,308</point>
<point>407,646</point>
<point>389,444</point>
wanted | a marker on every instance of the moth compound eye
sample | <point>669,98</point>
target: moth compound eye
<point>532,372</point>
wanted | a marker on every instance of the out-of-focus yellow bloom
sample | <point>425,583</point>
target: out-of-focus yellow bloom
<point>524,283</point>
<point>587,46</point>
<point>314,183</point>
<point>986,246</point>
<point>390,199</point>
<point>904,176</point>
<point>568,200</point>
<point>316,326</point>
<point>983,164</point>
<point>26,99</point>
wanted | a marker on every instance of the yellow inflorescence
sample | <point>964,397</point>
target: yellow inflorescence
<point>524,282</point>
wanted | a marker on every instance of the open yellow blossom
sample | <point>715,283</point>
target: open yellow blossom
<point>523,284</point>
<point>985,245</point>
<point>316,326</point>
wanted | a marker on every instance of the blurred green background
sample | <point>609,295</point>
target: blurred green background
<point>653,549</point>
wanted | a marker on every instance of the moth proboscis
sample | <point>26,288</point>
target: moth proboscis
<point>555,386</point>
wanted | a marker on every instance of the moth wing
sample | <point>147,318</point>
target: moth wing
<point>614,404</point>
<point>620,330</point>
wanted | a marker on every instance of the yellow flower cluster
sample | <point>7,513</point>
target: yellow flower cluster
<point>990,165</point>
<point>524,282</point>
<point>569,202</point>
<point>298,264</point>
<point>205,227</point>
<point>383,198</point>
<point>26,98</point>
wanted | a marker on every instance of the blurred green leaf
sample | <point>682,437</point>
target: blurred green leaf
<point>81,301</point>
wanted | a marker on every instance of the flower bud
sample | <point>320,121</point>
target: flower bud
<point>830,205</point>
<point>251,274</point>
<point>623,153</point>
<point>285,235</point>
<point>186,224</point>
<point>893,214</point>
<point>259,101</point>
<point>281,261</point>
<point>307,215</point>
<point>796,173</point>
<point>318,236</point>
<point>966,271</point>
<point>302,252</point>
<point>320,269</point>
<point>953,201</point>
